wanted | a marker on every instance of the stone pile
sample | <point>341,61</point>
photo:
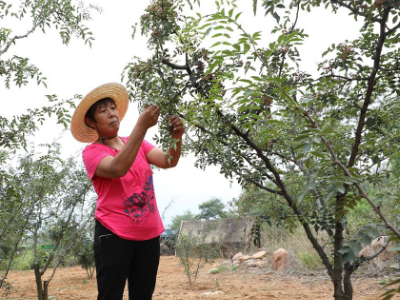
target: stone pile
<point>280,262</point>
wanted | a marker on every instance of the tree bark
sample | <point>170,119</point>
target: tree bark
<point>38,279</point>
<point>46,290</point>
<point>348,287</point>
<point>337,276</point>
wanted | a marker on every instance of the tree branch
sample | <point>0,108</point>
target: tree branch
<point>291,29</point>
<point>370,89</point>
<point>10,42</point>
<point>356,11</point>
<point>172,65</point>
<point>343,77</point>
<point>232,148</point>
<point>379,251</point>
<point>261,186</point>
<point>390,31</point>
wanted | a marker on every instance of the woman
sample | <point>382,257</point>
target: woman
<point>128,223</point>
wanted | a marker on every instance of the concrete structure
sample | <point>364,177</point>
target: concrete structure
<point>233,233</point>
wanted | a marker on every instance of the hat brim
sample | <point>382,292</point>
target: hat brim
<point>80,131</point>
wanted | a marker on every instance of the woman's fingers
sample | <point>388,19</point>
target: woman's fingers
<point>150,116</point>
<point>176,125</point>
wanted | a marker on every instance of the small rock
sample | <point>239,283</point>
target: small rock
<point>236,256</point>
<point>244,258</point>
<point>281,259</point>
<point>259,255</point>
<point>253,263</point>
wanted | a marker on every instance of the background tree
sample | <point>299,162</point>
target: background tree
<point>177,220</point>
<point>62,192</point>
<point>212,209</point>
<point>314,142</point>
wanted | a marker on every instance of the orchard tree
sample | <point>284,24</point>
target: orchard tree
<point>312,141</point>
<point>45,199</point>
<point>54,204</point>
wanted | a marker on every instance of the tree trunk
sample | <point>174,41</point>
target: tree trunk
<point>38,279</point>
<point>337,277</point>
<point>46,290</point>
<point>348,287</point>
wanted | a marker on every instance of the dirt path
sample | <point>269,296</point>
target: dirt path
<point>71,283</point>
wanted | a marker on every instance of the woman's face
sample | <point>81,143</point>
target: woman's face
<point>107,119</point>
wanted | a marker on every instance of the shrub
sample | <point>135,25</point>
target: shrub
<point>194,253</point>
<point>310,261</point>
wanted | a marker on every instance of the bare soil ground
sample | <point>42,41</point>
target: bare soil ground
<point>172,283</point>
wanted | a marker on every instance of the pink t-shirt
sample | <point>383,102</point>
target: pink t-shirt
<point>127,205</point>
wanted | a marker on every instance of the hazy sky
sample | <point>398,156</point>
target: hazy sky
<point>77,69</point>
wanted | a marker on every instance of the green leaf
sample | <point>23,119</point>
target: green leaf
<point>216,44</point>
<point>330,195</point>
<point>307,147</point>
<point>365,240</point>
<point>219,27</point>
<point>340,188</point>
<point>254,7</point>
<point>276,17</point>
<point>246,48</point>
<point>247,94</point>
<point>236,46</point>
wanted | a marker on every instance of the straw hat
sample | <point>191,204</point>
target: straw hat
<point>115,91</point>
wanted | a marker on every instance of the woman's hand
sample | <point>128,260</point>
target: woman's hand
<point>149,116</point>
<point>177,128</point>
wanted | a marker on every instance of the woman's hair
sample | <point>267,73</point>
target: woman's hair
<point>92,109</point>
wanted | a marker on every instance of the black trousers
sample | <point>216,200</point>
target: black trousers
<point>118,259</point>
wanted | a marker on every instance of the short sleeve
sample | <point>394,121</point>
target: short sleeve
<point>92,156</point>
<point>146,146</point>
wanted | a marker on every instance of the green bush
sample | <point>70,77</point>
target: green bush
<point>24,261</point>
<point>220,269</point>
<point>310,261</point>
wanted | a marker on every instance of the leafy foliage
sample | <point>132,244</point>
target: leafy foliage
<point>68,17</point>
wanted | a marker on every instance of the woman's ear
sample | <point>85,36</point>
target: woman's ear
<point>90,123</point>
